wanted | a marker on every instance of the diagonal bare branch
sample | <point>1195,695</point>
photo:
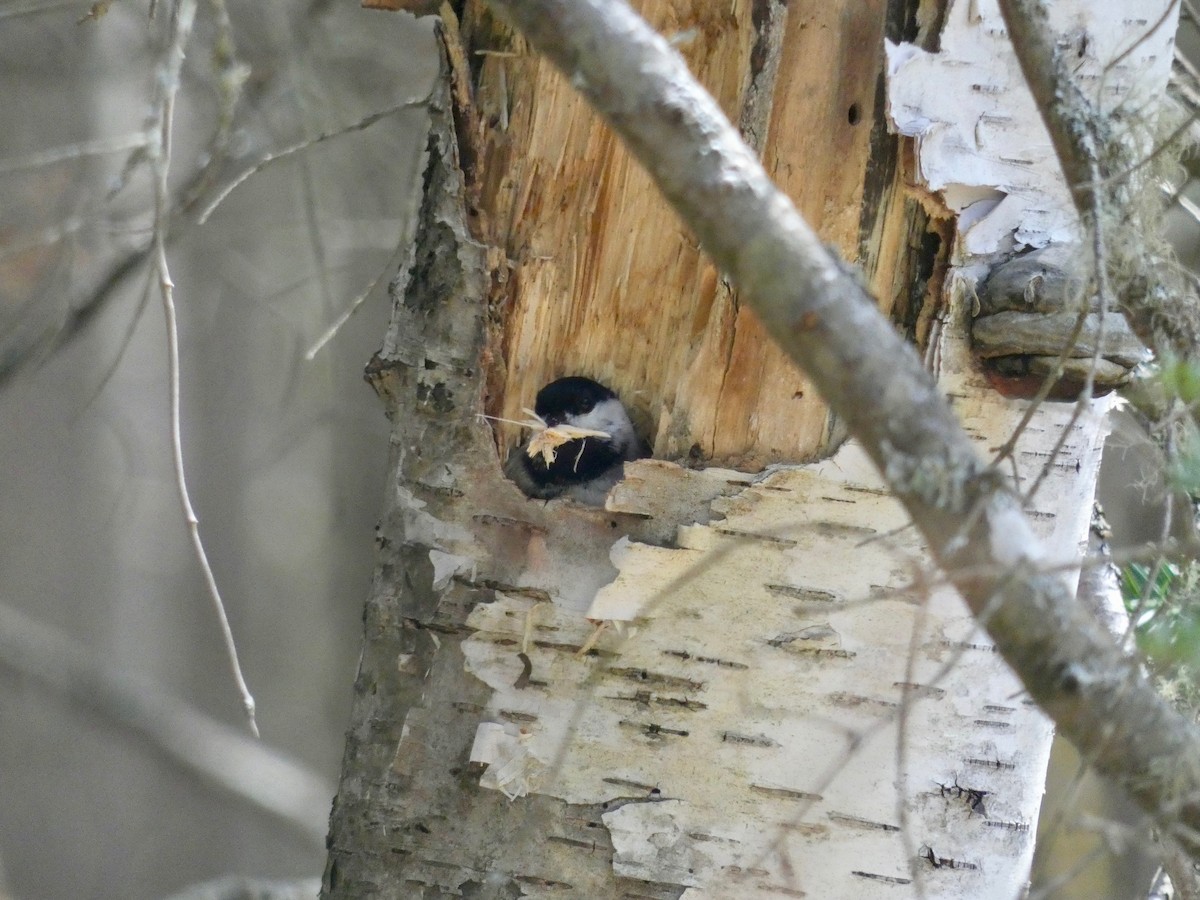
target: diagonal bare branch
<point>1095,162</point>
<point>202,746</point>
<point>824,318</point>
<point>184,18</point>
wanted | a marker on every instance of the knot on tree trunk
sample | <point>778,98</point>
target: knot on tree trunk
<point>1040,310</point>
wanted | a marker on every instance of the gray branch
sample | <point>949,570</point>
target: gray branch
<point>827,322</point>
<point>211,750</point>
<point>1102,171</point>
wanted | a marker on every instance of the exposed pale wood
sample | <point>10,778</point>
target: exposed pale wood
<point>483,678</point>
<point>600,278</point>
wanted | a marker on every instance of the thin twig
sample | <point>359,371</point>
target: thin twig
<point>1189,207</point>
<point>1163,145</point>
<point>123,345</point>
<point>1141,38</point>
<point>329,333</point>
<point>47,237</point>
<point>312,227</point>
<point>14,8</point>
<point>232,75</point>
<point>95,147</point>
<point>365,122</point>
<point>399,261</point>
<point>160,160</point>
<point>41,655</point>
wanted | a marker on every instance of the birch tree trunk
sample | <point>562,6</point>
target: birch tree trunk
<point>741,677</point>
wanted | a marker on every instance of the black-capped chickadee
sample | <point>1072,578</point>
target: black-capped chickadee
<point>583,468</point>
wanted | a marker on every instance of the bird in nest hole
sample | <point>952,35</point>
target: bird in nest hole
<point>582,438</point>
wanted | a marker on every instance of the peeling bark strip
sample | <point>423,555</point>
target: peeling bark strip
<point>762,759</point>
<point>827,323</point>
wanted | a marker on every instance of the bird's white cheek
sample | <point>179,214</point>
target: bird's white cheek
<point>608,416</point>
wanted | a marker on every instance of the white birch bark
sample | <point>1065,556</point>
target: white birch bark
<point>787,701</point>
<point>765,690</point>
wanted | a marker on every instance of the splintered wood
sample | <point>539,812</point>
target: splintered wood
<point>762,689</point>
<point>600,278</point>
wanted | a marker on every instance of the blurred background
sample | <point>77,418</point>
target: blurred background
<point>285,456</point>
<point>124,766</point>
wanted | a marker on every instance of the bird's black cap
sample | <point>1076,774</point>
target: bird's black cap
<point>579,460</point>
<point>570,396</point>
